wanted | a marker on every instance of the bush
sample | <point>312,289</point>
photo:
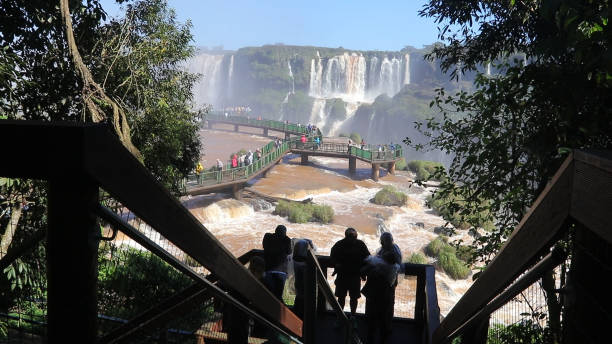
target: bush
<point>425,170</point>
<point>436,246</point>
<point>465,253</point>
<point>446,255</point>
<point>343,135</point>
<point>417,258</point>
<point>441,205</point>
<point>304,212</point>
<point>401,165</point>
<point>454,267</point>
<point>242,151</point>
<point>390,196</point>
<point>355,137</point>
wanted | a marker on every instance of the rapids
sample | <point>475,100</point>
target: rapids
<point>241,228</point>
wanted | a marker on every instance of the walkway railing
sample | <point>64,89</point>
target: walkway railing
<point>148,247</point>
<point>523,295</point>
<point>292,128</point>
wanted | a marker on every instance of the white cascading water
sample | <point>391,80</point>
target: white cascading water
<point>291,76</point>
<point>407,69</point>
<point>230,74</point>
<point>354,80</point>
<point>488,68</point>
<point>292,91</point>
<point>206,90</point>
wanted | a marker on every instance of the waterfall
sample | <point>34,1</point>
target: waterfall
<point>291,76</point>
<point>373,73</point>
<point>407,69</point>
<point>206,89</point>
<point>389,81</point>
<point>230,73</point>
<point>342,77</point>
<point>488,68</point>
<point>318,114</point>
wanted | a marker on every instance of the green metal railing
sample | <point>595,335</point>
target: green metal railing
<point>270,153</point>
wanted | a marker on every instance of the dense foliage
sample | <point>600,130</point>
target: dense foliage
<point>390,196</point>
<point>447,259</point>
<point>417,258</point>
<point>426,170</point>
<point>511,135</point>
<point>444,204</point>
<point>297,212</point>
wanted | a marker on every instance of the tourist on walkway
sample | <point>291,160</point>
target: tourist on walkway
<point>348,256</point>
<point>303,140</point>
<point>219,165</point>
<point>234,161</point>
<point>317,141</point>
<point>199,168</point>
<point>277,246</point>
<point>379,291</point>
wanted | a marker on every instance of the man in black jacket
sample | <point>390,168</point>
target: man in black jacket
<point>277,246</point>
<point>348,256</point>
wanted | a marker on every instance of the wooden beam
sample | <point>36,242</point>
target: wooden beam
<point>538,227</point>
<point>72,258</point>
<point>122,176</point>
<point>592,194</point>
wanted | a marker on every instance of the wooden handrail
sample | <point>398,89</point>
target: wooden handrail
<point>55,150</point>
<point>580,191</point>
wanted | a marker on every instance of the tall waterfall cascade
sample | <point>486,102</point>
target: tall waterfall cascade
<point>208,89</point>
<point>355,80</point>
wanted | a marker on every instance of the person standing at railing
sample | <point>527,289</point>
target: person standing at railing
<point>379,290</point>
<point>234,161</point>
<point>219,165</point>
<point>303,140</point>
<point>348,256</point>
<point>277,246</point>
<point>199,168</point>
<point>300,250</point>
<point>317,142</point>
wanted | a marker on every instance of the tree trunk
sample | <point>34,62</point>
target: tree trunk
<point>11,228</point>
<point>94,93</point>
<point>554,308</point>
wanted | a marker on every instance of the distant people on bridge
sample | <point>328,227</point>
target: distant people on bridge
<point>317,141</point>
<point>380,149</point>
<point>199,168</point>
<point>303,140</point>
<point>249,157</point>
<point>379,290</point>
<point>348,257</point>
<point>258,154</point>
<point>277,246</point>
<point>300,250</point>
<point>235,161</point>
<point>363,144</point>
<point>277,143</point>
<point>241,159</point>
<point>219,165</point>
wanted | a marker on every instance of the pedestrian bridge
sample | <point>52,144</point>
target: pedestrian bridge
<point>234,178</point>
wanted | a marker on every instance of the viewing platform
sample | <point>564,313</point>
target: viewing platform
<point>232,179</point>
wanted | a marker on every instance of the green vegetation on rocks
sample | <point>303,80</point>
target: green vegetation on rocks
<point>304,212</point>
<point>355,137</point>
<point>390,196</point>
<point>446,256</point>
<point>426,170</point>
<point>417,258</point>
<point>449,207</point>
<point>401,165</point>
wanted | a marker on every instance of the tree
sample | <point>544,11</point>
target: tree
<point>510,136</point>
<point>140,67</point>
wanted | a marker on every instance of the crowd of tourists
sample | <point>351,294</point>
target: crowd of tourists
<point>352,264</point>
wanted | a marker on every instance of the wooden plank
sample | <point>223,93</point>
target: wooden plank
<point>432,309</point>
<point>39,150</point>
<point>535,231</point>
<point>122,176</point>
<point>592,195</point>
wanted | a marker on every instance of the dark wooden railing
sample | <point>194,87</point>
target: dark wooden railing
<point>579,193</point>
<point>78,160</point>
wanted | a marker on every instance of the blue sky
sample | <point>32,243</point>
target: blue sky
<point>354,24</point>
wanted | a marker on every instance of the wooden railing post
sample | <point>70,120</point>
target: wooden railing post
<point>310,302</point>
<point>72,255</point>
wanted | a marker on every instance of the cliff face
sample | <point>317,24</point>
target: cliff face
<point>377,94</point>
